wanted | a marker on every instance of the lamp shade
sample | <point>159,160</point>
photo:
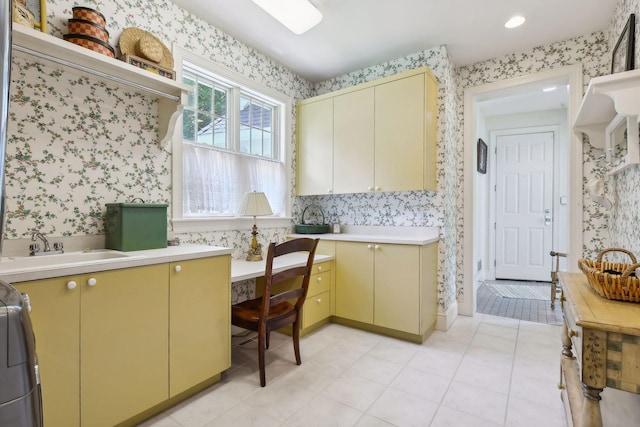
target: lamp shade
<point>255,204</point>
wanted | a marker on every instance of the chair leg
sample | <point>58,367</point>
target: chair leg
<point>296,340</point>
<point>262,337</point>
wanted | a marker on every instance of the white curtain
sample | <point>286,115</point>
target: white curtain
<point>214,181</point>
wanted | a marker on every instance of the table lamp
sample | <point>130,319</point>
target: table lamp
<point>255,204</point>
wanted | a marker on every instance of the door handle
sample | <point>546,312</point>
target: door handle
<point>547,217</point>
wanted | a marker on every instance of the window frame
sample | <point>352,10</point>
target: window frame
<point>238,83</point>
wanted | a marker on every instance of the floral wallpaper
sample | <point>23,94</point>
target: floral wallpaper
<point>76,144</point>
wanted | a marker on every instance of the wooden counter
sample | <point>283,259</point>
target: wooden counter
<point>600,341</point>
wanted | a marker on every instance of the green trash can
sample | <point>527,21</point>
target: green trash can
<point>136,226</point>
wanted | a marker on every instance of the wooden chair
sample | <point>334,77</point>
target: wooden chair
<point>273,311</point>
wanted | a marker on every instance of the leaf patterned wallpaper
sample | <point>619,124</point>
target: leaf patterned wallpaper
<point>76,144</point>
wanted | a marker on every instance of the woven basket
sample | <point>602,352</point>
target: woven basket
<point>312,228</point>
<point>613,280</point>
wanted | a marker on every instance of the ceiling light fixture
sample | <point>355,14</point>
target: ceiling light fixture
<point>514,22</point>
<point>550,89</point>
<point>298,16</point>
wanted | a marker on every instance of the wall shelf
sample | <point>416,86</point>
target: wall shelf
<point>608,101</point>
<point>109,70</point>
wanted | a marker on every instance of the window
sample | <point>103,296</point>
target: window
<point>232,143</point>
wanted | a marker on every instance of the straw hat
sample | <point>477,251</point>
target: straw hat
<point>138,42</point>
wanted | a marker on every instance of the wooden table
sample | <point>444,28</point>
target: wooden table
<point>600,348</point>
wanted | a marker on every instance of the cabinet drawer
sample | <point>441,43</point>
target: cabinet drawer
<point>575,333</point>
<point>316,309</point>
<point>319,283</point>
<point>321,267</point>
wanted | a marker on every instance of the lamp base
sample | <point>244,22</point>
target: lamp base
<point>255,254</point>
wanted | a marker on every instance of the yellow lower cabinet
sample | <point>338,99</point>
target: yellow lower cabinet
<point>55,317</point>
<point>389,286</point>
<point>123,343</point>
<point>354,281</point>
<point>316,309</point>
<point>199,331</point>
<point>397,291</point>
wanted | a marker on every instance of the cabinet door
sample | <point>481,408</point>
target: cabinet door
<point>124,341</point>
<point>397,287</point>
<point>353,142</point>
<point>400,134</point>
<point>354,281</point>
<point>199,332</point>
<point>315,148</point>
<point>55,317</point>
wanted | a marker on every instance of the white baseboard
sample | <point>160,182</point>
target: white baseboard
<point>445,320</point>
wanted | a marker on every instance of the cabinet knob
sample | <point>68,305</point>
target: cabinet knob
<point>319,300</point>
<point>319,279</point>
<point>92,282</point>
<point>377,188</point>
<point>177,268</point>
<point>329,190</point>
<point>377,247</point>
<point>369,246</point>
<point>71,284</point>
<point>572,333</point>
<point>319,268</point>
<point>370,188</point>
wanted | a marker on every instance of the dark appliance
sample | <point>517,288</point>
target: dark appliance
<point>20,401</point>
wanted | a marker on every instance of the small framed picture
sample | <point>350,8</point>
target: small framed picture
<point>623,54</point>
<point>482,156</point>
<point>335,228</point>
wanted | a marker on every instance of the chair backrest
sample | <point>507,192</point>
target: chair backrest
<point>270,279</point>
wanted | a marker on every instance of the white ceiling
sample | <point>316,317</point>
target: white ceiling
<point>355,34</point>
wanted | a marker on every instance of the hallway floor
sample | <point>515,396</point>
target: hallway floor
<point>484,371</point>
<point>532,310</point>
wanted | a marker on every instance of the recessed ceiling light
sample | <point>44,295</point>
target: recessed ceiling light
<point>550,89</point>
<point>514,22</point>
<point>298,16</point>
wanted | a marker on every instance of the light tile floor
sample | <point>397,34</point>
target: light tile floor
<point>483,371</point>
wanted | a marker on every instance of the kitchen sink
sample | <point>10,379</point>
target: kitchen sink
<point>10,264</point>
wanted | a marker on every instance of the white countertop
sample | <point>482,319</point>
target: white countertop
<point>11,274</point>
<point>396,235</point>
<point>243,270</point>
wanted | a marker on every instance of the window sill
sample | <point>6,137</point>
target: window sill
<point>186,225</point>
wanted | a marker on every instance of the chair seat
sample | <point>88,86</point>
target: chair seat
<point>250,310</point>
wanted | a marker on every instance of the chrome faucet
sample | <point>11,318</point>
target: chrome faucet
<point>38,235</point>
<point>34,248</point>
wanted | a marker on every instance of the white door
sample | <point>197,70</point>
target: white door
<point>524,206</point>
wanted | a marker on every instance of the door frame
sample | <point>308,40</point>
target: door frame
<point>472,95</point>
<point>493,181</point>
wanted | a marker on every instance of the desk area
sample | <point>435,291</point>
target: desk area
<point>317,309</point>
<point>245,270</point>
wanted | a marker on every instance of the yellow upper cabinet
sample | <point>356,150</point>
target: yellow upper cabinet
<point>314,168</point>
<point>353,142</point>
<point>379,136</point>
<point>400,134</point>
